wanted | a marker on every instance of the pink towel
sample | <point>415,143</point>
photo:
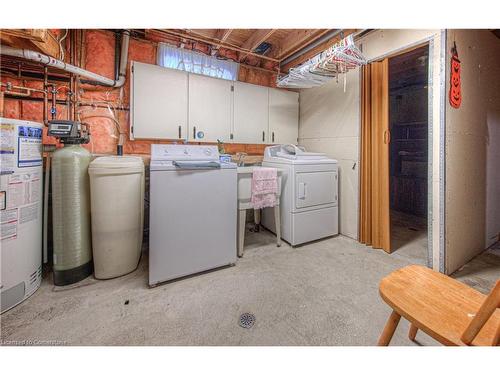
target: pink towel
<point>264,187</point>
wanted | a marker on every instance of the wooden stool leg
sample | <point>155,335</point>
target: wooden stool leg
<point>413,332</point>
<point>389,329</point>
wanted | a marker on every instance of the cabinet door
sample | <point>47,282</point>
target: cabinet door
<point>210,108</point>
<point>159,102</point>
<point>251,113</point>
<point>283,116</point>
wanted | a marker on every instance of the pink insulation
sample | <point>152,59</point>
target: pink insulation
<point>99,58</point>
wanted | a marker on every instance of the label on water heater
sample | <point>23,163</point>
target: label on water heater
<point>7,148</point>
<point>29,147</point>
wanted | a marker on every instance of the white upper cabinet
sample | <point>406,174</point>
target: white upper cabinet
<point>251,113</point>
<point>210,108</point>
<point>173,104</point>
<point>283,116</point>
<point>159,98</point>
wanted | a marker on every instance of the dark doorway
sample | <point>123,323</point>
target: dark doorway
<point>408,123</point>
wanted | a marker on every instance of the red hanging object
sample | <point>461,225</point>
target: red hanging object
<point>455,80</point>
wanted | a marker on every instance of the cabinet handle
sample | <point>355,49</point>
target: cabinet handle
<point>180,132</point>
<point>273,137</point>
<point>194,132</point>
<point>263,136</point>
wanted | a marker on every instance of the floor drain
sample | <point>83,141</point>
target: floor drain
<point>247,320</point>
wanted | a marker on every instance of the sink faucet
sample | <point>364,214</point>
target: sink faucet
<point>241,157</point>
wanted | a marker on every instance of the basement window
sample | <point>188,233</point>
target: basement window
<point>195,62</point>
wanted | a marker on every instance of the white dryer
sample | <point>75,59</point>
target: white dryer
<point>309,198</point>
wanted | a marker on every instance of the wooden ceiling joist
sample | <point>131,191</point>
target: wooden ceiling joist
<point>222,35</point>
<point>256,40</point>
<point>296,40</point>
<point>316,50</point>
<point>210,41</point>
<point>286,44</point>
<point>38,39</point>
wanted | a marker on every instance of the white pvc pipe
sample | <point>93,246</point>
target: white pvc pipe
<point>123,59</point>
<point>50,61</point>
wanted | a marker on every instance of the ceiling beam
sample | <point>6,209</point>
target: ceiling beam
<point>38,39</point>
<point>296,40</point>
<point>316,50</point>
<point>210,41</point>
<point>257,38</point>
<point>222,35</point>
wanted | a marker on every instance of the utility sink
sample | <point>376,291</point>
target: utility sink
<point>244,203</point>
<point>245,186</point>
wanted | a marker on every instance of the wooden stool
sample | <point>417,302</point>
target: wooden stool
<point>447,310</point>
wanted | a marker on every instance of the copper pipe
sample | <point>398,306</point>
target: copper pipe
<point>45,96</point>
<point>75,99</point>
<point>1,103</point>
<point>68,100</point>
<point>53,109</point>
<point>27,90</point>
<point>72,78</point>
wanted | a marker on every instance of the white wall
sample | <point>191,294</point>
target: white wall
<point>473,149</point>
<point>330,122</point>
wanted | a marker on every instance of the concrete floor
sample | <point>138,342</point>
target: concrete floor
<point>324,293</point>
<point>409,237</point>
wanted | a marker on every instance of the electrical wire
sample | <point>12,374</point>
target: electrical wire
<point>61,49</point>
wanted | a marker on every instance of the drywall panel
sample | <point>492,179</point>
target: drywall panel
<point>493,174</point>
<point>328,111</point>
<point>385,42</point>
<point>472,143</point>
<point>329,122</point>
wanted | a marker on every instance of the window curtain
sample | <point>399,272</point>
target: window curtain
<point>375,225</point>
<point>195,62</point>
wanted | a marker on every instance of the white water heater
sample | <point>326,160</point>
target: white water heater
<point>21,197</point>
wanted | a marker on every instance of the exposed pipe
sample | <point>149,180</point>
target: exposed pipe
<point>123,61</point>
<point>117,56</point>
<point>96,79</point>
<point>45,96</point>
<point>27,90</point>
<point>1,103</point>
<point>64,102</point>
<point>50,61</point>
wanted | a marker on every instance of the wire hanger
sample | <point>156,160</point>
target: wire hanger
<point>338,59</point>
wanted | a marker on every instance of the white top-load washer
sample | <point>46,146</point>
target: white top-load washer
<point>309,198</point>
<point>193,199</point>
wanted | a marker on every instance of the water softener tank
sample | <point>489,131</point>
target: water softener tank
<point>72,255</point>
